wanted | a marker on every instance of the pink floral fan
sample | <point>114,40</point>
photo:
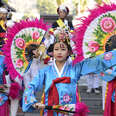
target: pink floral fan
<point>18,37</point>
<point>94,32</point>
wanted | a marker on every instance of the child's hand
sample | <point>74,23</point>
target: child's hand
<point>38,106</point>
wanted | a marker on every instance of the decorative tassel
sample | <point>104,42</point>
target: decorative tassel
<point>81,109</point>
<point>14,90</point>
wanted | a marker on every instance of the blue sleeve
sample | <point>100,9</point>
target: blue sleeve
<point>29,97</point>
<point>98,64</point>
<point>108,75</point>
<point>2,65</point>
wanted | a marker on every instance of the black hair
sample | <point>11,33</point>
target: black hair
<point>111,43</point>
<point>51,47</point>
<point>29,51</point>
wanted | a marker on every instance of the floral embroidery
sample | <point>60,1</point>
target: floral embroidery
<point>25,99</point>
<point>108,56</point>
<point>1,99</point>
<point>102,74</point>
<point>66,98</point>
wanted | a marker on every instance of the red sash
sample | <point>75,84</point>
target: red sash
<point>53,96</point>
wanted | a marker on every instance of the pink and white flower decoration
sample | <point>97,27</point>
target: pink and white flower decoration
<point>93,46</point>
<point>108,56</point>
<point>66,98</point>
<point>35,35</point>
<point>15,40</point>
<point>20,43</point>
<point>107,24</point>
<point>100,21</point>
<point>19,63</point>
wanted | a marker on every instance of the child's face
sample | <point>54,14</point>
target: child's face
<point>36,53</point>
<point>3,16</point>
<point>62,14</point>
<point>60,51</point>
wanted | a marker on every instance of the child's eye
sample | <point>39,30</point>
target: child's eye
<point>55,49</point>
<point>63,49</point>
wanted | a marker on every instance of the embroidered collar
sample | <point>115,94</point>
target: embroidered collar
<point>62,70</point>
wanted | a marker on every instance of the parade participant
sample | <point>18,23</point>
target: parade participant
<point>3,19</point>
<point>62,22</point>
<point>9,89</point>
<point>109,76</point>
<point>62,25</point>
<point>61,78</point>
<point>93,83</point>
<point>35,57</point>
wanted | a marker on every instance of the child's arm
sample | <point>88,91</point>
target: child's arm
<point>98,64</point>
<point>29,94</point>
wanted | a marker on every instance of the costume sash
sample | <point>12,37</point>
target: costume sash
<point>60,23</point>
<point>53,96</point>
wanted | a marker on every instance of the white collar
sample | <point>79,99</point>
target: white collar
<point>59,72</point>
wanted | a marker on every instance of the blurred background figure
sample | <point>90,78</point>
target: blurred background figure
<point>5,17</point>
<point>93,83</point>
<point>35,54</point>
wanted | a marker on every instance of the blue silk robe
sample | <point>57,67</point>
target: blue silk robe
<point>50,73</point>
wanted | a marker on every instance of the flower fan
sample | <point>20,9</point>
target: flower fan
<point>95,31</point>
<point>19,36</point>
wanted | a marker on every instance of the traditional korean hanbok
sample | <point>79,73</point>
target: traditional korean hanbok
<point>110,98</point>
<point>60,87</point>
<point>10,93</point>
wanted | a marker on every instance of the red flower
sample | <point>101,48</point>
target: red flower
<point>19,63</point>
<point>93,46</point>
<point>35,35</point>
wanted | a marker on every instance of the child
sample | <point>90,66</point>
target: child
<point>60,79</point>
<point>62,22</point>
<point>34,56</point>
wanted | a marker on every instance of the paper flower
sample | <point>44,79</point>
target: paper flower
<point>93,46</point>
<point>35,35</point>
<point>19,63</point>
<point>107,24</point>
<point>20,43</point>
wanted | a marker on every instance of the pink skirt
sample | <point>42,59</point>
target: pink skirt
<point>4,109</point>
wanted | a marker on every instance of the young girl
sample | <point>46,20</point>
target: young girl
<point>60,78</point>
